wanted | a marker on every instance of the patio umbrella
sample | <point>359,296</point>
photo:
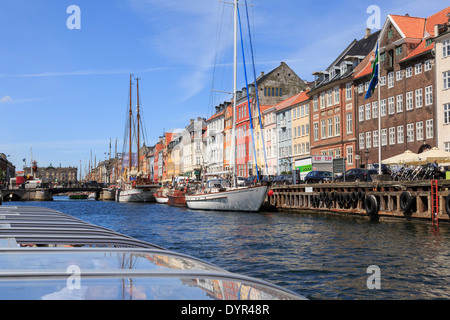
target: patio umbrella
<point>434,154</point>
<point>404,158</point>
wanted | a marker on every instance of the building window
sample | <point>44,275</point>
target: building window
<point>316,131</point>
<point>428,65</point>
<point>419,98</point>
<point>383,81</point>
<point>324,129</point>
<point>368,111</point>
<point>361,141</point>
<point>329,98</point>
<point>429,128</point>
<point>337,126</point>
<point>410,132</point>
<point>375,139</point>
<point>409,72</point>
<point>447,113</point>
<point>322,100</point>
<point>429,95</point>
<point>390,80</point>
<point>349,123</point>
<point>418,68</point>
<point>447,146</point>
<point>315,103</point>
<point>330,127</point>
<point>375,109</point>
<point>399,50</point>
<point>360,88</point>
<point>446,49</point>
<point>392,135</point>
<point>383,137</point>
<point>409,101</point>
<point>446,80</point>
<point>419,131</point>
<point>336,95</point>
<point>350,155</point>
<point>400,135</point>
<point>391,105</point>
<point>399,76</point>
<point>361,113</point>
<point>383,109</point>
<point>348,91</point>
<point>399,103</point>
<point>368,140</point>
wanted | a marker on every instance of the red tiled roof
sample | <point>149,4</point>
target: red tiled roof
<point>411,27</point>
<point>437,18</point>
<point>421,48</point>
<point>365,67</point>
<point>299,97</point>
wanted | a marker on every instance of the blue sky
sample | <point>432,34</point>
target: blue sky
<point>64,92</point>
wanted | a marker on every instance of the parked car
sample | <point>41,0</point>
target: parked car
<point>384,168</point>
<point>241,181</point>
<point>356,175</point>
<point>283,179</point>
<point>318,176</point>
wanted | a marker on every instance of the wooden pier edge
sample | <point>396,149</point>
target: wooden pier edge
<point>410,200</point>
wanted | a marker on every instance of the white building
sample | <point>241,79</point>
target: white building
<point>442,41</point>
<point>213,155</point>
<point>192,145</point>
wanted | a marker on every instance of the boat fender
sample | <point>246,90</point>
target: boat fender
<point>348,199</point>
<point>333,195</point>
<point>361,195</point>
<point>371,204</point>
<point>406,201</point>
<point>354,197</point>
<point>447,204</point>
<point>315,202</point>
<point>270,193</point>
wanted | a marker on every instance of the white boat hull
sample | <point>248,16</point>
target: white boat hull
<point>135,195</point>
<point>240,199</point>
<point>162,199</point>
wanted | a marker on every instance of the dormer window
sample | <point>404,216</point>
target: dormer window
<point>343,68</point>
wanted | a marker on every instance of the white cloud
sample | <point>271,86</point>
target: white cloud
<point>6,99</point>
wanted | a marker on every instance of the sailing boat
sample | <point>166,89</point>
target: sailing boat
<point>136,188</point>
<point>219,194</point>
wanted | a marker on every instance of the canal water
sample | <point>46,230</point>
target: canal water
<point>319,256</point>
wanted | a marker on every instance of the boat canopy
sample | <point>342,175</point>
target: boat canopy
<point>46,254</point>
<point>218,183</point>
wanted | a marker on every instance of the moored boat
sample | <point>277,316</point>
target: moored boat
<point>177,198</point>
<point>161,196</point>
<point>220,197</point>
<point>78,196</point>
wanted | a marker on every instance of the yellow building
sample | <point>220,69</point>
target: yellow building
<point>301,126</point>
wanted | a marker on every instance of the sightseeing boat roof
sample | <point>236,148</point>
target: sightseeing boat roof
<point>46,254</point>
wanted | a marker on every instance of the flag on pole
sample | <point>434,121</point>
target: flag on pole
<point>374,81</point>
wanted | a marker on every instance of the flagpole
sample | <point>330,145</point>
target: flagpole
<point>379,108</point>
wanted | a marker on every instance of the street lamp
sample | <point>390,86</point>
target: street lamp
<point>367,157</point>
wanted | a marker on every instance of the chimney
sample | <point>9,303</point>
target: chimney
<point>262,73</point>
<point>368,33</point>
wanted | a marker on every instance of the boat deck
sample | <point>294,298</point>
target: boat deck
<point>46,254</point>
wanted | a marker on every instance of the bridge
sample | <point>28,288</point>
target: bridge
<point>43,194</point>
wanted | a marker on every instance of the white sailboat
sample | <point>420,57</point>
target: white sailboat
<point>218,194</point>
<point>135,188</point>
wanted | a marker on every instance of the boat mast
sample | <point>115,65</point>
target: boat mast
<point>130,130</point>
<point>233,136</point>
<point>138,124</point>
